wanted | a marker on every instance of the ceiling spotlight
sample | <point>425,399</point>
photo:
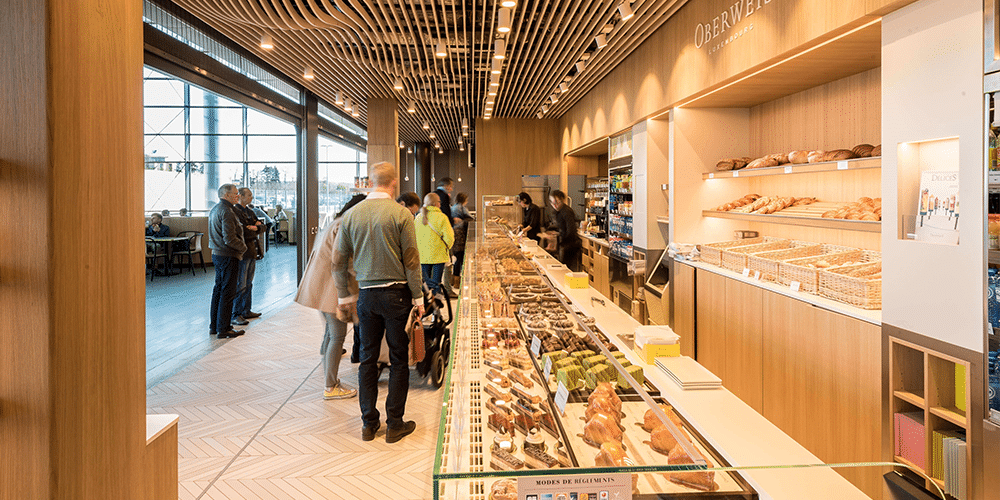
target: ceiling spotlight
<point>347,104</point>
<point>465,133</point>
<point>431,135</point>
<point>545,108</point>
<point>601,40</point>
<point>465,123</point>
<point>563,87</point>
<point>426,125</point>
<point>307,73</point>
<point>555,98</point>
<point>441,50</point>
<point>497,65</point>
<point>411,107</point>
<point>540,115</point>
<point>580,66</point>
<point>401,145</point>
<point>499,47</point>
<point>338,98</point>
<point>409,151</point>
<point>266,42</point>
<point>508,3</point>
<point>440,151</point>
<point>625,10</point>
<point>492,91</point>
<point>503,24</point>
<point>356,112</point>
<point>398,84</point>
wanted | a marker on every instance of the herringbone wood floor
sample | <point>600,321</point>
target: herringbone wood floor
<point>254,425</point>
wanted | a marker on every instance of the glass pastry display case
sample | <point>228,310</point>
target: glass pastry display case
<point>535,388</point>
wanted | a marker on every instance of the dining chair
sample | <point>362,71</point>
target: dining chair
<point>193,248</point>
<point>154,251</point>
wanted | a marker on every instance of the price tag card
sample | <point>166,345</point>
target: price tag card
<point>736,173</point>
<point>788,170</point>
<point>842,165</point>
<point>795,286</point>
<point>746,272</point>
<point>756,276</point>
<point>548,368</point>
<point>536,345</point>
<point>711,176</point>
<point>562,396</point>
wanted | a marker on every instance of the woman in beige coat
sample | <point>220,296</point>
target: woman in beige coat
<point>318,291</point>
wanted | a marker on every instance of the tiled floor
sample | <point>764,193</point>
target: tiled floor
<point>253,423</point>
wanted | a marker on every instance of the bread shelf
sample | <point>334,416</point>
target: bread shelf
<point>909,397</point>
<point>800,220</point>
<point>798,168</point>
<point>953,415</point>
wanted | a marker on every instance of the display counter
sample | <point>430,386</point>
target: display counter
<point>499,344</point>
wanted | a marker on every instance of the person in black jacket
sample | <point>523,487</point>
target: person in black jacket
<point>156,227</point>
<point>444,188</point>
<point>570,244</point>
<point>225,238</point>
<point>531,220</point>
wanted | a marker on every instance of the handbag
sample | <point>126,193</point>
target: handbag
<point>415,331</point>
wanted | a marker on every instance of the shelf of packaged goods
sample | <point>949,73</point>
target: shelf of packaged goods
<point>798,168</point>
<point>909,397</point>
<point>622,192</point>
<point>807,221</point>
<point>619,214</point>
<point>616,234</point>
<point>953,415</point>
<point>994,257</point>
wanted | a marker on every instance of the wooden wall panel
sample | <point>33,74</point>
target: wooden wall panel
<point>72,301</point>
<point>712,315</point>
<point>506,149</point>
<point>383,131</point>
<point>744,330</point>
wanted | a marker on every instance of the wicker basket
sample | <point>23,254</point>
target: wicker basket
<point>735,259</point>
<point>864,291</point>
<point>712,252</point>
<point>808,277</point>
<point>767,262</point>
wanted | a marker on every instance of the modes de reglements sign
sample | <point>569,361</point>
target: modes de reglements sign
<point>577,487</point>
<point>722,29</point>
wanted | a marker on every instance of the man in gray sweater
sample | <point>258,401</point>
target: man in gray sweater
<point>225,238</point>
<point>379,235</point>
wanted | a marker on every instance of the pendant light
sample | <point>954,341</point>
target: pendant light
<point>545,108</point>
<point>465,123</point>
<point>347,104</point>
<point>432,136</point>
<point>580,66</point>
<point>338,98</point>
<point>409,150</point>
<point>411,107</point>
<point>356,112</point>
<point>496,67</point>
<point>266,42</point>
<point>398,83</point>
<point>307,73</point>
<point>401,145</point>
<point>426,125</point>
<point>601,40</point>
<point>555,98</point>
<point>503,22</point>
<point>625,10</point>
<point>465,133</point>
<point>441,50</point>
<point>508,3</point>
<point>499,47</point>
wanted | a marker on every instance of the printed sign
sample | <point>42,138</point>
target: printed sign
<point>756,275</point>
<point>746,272</point>
<point>548,368</point>
<point>562,396</point>
<point>795,286</point>
<point>937,208</point>
<point>576,487</point>
<point>536,345</point>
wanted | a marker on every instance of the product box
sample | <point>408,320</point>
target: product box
<point>655,341</point>
<point>578,280</point>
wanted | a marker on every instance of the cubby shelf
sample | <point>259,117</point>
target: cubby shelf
<point>849,225</point>
<point>953,415</point>
<point>798,168</point>
<point>909,397</point>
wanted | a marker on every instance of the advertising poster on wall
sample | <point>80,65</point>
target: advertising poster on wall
<point>937,208</point>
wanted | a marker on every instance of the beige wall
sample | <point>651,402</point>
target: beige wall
<point>506,149</point>
<point>668,67</point>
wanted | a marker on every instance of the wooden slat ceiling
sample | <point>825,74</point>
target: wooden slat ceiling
<point>358,48</point>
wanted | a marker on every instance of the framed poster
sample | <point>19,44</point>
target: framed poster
<point>938,208</point>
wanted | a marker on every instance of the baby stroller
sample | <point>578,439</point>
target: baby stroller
<point>437,339</point>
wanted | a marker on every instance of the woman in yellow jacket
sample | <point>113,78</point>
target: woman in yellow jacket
<point>434,240</point>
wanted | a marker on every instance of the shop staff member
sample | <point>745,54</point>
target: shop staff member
<point>532,218</point>
<point>569,242</point>
<point>225,238</point>
<point>379,235</point>
<point>252,228</point>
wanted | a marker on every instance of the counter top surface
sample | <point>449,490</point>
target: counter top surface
<point>599,241</point>
<point>736,430</point>
<point>871,316</point>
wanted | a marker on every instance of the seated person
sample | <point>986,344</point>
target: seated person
<point>156,228</point>
<point>279,215</point>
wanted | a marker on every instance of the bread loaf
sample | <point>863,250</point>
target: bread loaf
<point>781,158</point>
<point>830,214</point>
<point>839,154</point>
<point>763,163</point>
<point>863,150</point>
<point>724,165</point>
<point>732,164</point>
<point>877,151</point>
<point>798,157</point>
<point>870,216</point>
<point>816,156</point>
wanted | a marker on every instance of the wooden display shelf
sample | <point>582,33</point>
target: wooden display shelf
<point>909,397</point>
<point>805,215</point>
<point>951,414</point>
<point>904,461</point>
<point>798,168</point>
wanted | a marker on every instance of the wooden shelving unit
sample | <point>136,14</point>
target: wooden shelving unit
<point>799,168</point>
<point>801,220</point>
<point>923,380</point>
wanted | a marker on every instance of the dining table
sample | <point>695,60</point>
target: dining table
<point>168,245</point>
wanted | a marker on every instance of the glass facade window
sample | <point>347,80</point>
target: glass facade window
<point>339,165</point>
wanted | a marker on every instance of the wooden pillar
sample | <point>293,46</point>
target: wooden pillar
<point>72,299</point>
<point>383,131</point>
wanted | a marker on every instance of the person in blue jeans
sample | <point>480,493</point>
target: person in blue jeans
<point>435,238</point>
<point>225,238</point>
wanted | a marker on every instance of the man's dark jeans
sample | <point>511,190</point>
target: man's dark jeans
<point>244,290</point>
<point>227,275</point>
<point>384,311</point>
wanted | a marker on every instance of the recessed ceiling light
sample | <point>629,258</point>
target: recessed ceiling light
<point>266,42</point>
<point>503,22</point>
<point>625,10</point>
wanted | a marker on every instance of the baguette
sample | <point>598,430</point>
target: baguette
<point>798,157</point>
<point>839,154</point>
<point>781,158</point>
<point>816,156</point>
<point>763,163</point>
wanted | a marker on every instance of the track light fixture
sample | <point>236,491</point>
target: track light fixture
<point>266,42</point>
<point>411,107</point>
<point>441,50</point>
<point>601,40</point>
<point>625,10</point>
<point>503,21</point>
<point>307,73</point>
<point>499,48</point>
<point>398,83</point>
